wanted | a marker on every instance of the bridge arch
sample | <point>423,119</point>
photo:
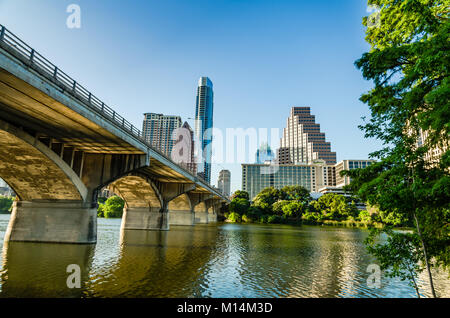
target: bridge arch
<point>144,208</point>
<point>180,210</point>
<point>137,192</point>
<point>180,203</point>
<point>201,207</point>
<point>52,203</point>
<point>201,212</point>
<point>34,171</point>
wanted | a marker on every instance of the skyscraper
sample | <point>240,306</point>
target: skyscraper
<point>223,182</point>
<point>263,154</point>
<point>157,130</point>
<point>203,125</point>
<point>184,138</point>
<point>302,141</point>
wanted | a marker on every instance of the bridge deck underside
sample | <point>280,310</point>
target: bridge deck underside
<point>25,106</point>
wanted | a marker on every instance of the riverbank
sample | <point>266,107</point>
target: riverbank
<point>336,223</point>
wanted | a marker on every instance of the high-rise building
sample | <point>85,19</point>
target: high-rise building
<point>223,182</point>
<point>433,155</point>
<point>302,141</point>
<point>185,137</point>
<point>342,181</point>
<point>316,177</point>
<point>203,125</point>
<point>264,154</point>
<point>157,130</point>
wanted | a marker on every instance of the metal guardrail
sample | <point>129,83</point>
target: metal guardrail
<point>19,49</point>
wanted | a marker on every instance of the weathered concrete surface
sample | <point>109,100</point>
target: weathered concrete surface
<point>144,219</point>
<point>33,170</point>
<point>212,217</point>
<point>137,192</point>
<point>201,217</point>
<point>58,222</point>
<point>181,217</point>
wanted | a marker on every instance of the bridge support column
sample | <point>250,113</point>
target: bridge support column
<point>181,218</point>
<point>145,219</point>
<point>201,217</point>
<point>52,221</point>
<point>212,217</point>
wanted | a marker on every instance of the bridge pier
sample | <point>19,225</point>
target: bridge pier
<point>201,217</point>
<point>212,217</point>
<point>52,221</point>
<point>145,219</point>
<point>181,217</point>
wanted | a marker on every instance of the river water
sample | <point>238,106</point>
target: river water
<point>223,260</point>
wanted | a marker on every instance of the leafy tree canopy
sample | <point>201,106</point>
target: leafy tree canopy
<point>408,63</point>
<point>241,195</point>
<point>297,193</point>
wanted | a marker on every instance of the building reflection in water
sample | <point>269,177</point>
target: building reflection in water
<point>157,264</point>
<point>227,260</point>
<point>39,269</point>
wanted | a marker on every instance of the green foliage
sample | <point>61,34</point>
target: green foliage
<point>293,209</point>
<point>6,204</point>
<point>313,217</point>
<point>101,199</point>
<point>408,64</point>
<point>335,207</point>
<point>365,216</point>
<point>100,209</point>
<point>239,194</point>
<point>239,206</point>
<point>297,193</point>
<point>274,219</point>
<point>234,217</point>
<point>265,209</point>
<point>399,256</point>
<point>277,207</point>
<point>266,198</point>
<point>112,208</point>
<point>254,213</point>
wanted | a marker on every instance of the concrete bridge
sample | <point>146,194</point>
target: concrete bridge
<point>59,145</point>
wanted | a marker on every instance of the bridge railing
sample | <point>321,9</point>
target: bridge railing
<point>16,47</point>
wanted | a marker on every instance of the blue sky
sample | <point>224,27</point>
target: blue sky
<point>263,57</point>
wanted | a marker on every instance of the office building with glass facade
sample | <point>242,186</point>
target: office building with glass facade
<point>256,177</point>
<point>315,177</point>
<point>203,125</point>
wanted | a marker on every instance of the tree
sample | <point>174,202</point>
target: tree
<point>399,257</point>
<point>266,198</point>
<point>239,194</point>
<point>408,64</point>
<point>277,207</point>
<point>239,206</point>
<point>112,208</point>
<point>6,204</point>
<point>334,207</point>
<point>297,193</point>
<point>293,209</point>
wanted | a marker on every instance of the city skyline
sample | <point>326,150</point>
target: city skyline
<point>163,56</point>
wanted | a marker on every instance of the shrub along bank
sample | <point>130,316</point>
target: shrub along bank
<point>294,205</point>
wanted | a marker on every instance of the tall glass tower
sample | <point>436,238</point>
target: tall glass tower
<point>203,125</point>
